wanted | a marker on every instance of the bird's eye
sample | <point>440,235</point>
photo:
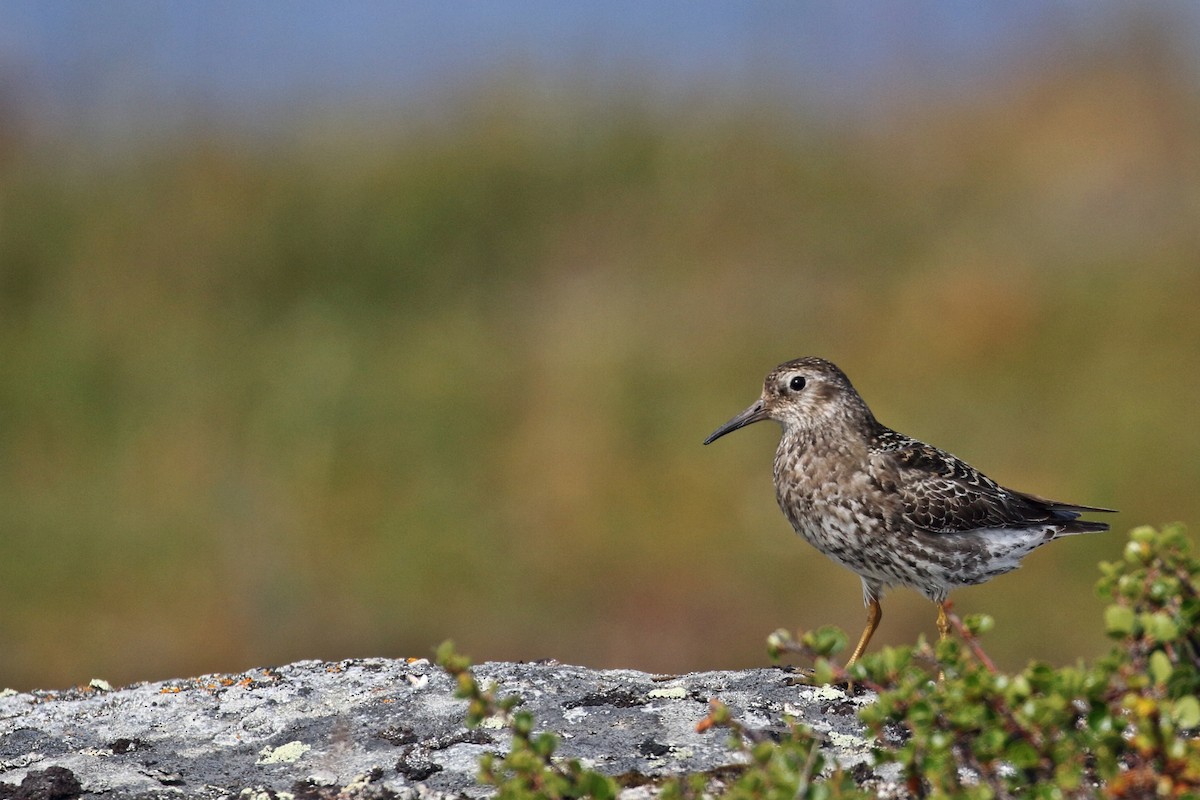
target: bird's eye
<point>796,383</point>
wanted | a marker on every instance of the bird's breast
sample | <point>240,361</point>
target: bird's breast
<point>827,495</point>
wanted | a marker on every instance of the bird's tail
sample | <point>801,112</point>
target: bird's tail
<point>1082,526</point>
<point>1068,514</point>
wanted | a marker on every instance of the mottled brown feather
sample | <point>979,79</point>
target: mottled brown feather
<point>941,493</point>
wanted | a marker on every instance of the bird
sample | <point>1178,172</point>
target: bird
<point>896,511</point>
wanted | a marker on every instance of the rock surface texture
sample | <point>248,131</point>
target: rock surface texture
<point>377,728</point>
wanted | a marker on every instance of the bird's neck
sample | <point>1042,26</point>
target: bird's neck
<point>846,437</point>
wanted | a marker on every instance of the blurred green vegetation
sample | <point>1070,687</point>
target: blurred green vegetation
<point>355,391</point>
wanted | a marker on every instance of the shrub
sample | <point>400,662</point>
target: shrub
<point>1124,727</point>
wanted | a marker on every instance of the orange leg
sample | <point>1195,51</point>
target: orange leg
<point>874,614</point>
<point>942,623</point>
<point>943,631</point>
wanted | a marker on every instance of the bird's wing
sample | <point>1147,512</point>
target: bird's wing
<point>941,493</point>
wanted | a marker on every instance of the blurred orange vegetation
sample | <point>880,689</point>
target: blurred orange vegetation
<point>361,392</point>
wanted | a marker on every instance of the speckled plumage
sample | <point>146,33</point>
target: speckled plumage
<point>894,510</point>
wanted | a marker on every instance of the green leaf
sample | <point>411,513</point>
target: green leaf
<point>1186,712</point>
<point>823,673</point>
<point>1023,755</point>
<point>778,643</point>
<point>979,624</point>
<point>1118,620</point>
<point>445,651</point>
<point>1160,667</point>
<point>544,744</point>
<point>1129,587</point>
<point>1143,534</point>
<point>1137,552</point>
<point>1069,775</point>
<point>1160,627</point>
<point>522,724</point>
<point>989,743</point>
<point>1164,588</point>
<point>826,640</point>
<point>1100,720</point>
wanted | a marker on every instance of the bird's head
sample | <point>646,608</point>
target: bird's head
<point>802,394</point>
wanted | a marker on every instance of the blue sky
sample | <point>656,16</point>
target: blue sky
<point>99,62</point>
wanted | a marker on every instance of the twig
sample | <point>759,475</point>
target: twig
<point>971,642</point>
<point>806,775</point>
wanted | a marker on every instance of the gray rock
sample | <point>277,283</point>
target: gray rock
<point>376,728</point>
